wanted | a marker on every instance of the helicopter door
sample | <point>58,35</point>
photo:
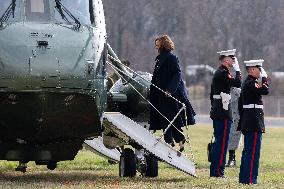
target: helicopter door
<point>37,10</point>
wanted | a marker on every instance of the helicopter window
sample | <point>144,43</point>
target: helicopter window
<point>9,10</point>
<point>37,6</point>
<point>37,10</point>
<point>79,8</point>
<point>4,4</point>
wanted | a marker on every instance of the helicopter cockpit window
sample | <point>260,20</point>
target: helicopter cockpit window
<point>4,4</point>
<point>37,10</point>
<point>9,10</point>
<point>80,9</point>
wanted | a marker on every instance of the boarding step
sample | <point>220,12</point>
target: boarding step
<point>96,145</point>
<point>122,124</point>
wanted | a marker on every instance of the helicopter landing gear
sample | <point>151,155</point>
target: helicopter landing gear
<point>127,163</point>
<point>22,167</point>
<point>51,165</point>
<point>147,164</point>
<point>142,161</point>
<point>151,166</point>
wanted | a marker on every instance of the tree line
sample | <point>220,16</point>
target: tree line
<point>198,28</point>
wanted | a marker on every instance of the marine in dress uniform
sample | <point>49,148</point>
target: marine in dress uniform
<point>220,109</point>
<point>252,120</point>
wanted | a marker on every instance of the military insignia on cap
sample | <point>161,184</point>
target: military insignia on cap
<point>251,63</point>
<point>227,53</point>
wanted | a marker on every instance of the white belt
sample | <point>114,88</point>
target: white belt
<point>253,106</point>
<point>217,96</point>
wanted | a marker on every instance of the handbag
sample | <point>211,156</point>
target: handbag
<point>210,149</point>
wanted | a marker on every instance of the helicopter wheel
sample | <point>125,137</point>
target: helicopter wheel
<point>127,163</point>
<point>51,165</point>
<point>22,167</point>
<point>151,166</point>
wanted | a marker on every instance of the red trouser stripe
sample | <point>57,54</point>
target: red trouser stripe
<point>223,146</point>
<point>252,157</point>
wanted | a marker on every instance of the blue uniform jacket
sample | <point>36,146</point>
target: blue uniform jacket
<point>252,119</point>
<point>222,82</point>
<point>167,76</point>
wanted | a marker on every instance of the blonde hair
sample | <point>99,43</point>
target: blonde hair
<point>166,43</point>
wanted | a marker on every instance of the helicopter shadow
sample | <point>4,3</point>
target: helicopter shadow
<point>77,177</point>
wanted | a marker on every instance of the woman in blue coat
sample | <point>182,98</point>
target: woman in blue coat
<point>167,76</point>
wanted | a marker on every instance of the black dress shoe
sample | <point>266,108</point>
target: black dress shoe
<point>231,163</point>
<point>219,177</point>
<point>232,159</point>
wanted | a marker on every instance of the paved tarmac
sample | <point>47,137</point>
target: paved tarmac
<point>269,121</point>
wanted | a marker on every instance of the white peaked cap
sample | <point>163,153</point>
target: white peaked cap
<point>227,52</point>
<point>254,62</point>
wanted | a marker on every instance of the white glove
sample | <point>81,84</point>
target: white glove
<point>236,65</point>
<point>262,73</point>
<point>225,100</point>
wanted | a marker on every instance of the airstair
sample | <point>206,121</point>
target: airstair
<point>130,131</point>
<point>96,145</point>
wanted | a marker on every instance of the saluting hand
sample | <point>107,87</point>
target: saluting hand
<point>236,65</point>
<point>263,73</point>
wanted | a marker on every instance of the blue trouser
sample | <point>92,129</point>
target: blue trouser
<point>221,134</point>
<point>250,158</point>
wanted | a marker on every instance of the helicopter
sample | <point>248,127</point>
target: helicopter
<point>53,94</point>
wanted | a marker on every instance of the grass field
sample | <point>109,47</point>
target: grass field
<point>91,171</point>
